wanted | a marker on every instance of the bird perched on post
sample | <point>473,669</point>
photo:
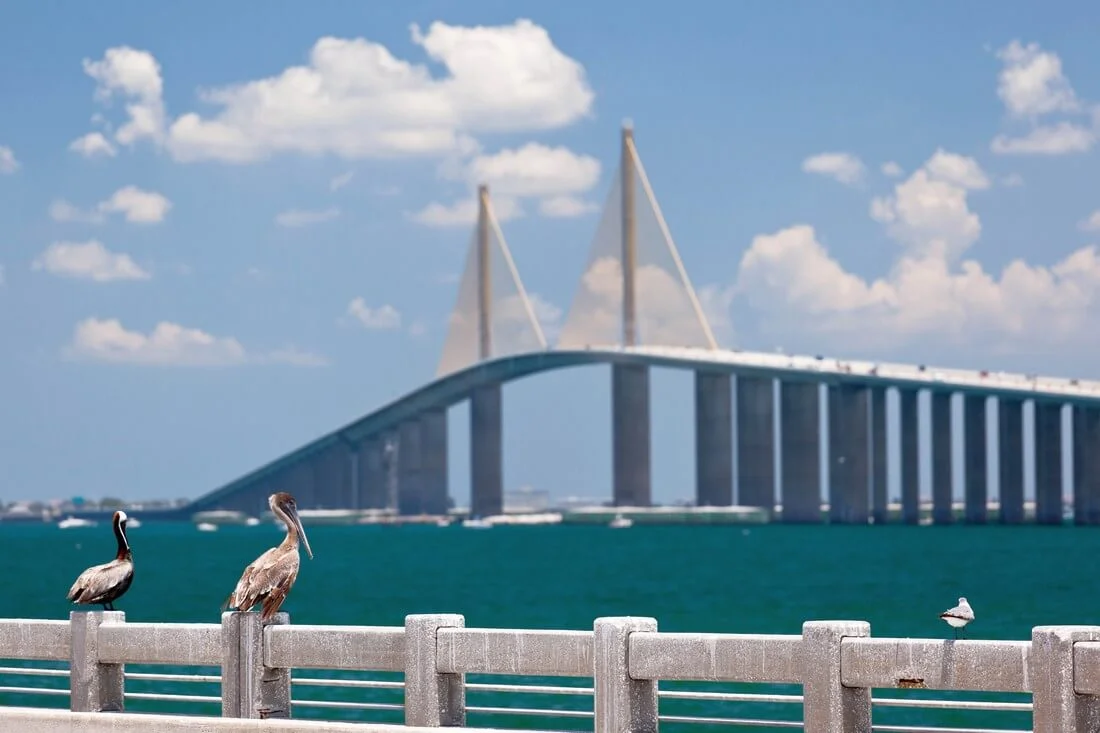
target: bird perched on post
<point>959,616</point>
<point>104,584</point>
<point>269,578</point>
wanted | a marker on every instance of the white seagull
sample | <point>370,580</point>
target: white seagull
<point>959,616</point>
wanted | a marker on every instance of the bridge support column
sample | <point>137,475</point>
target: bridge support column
<point>371,484</point>
<point>433,446</point>
<point>1086,465</point>
<point>880,507</point>
<point>332,478</point>
<point>849,454</point>
<point>1010,459</point>
<point>300,482</point>
<point>909,425</point>
<point>486,452</point>
<point>713,439</point>
<point>756,443</point>
<point>977,481</point>
<point>1048,462</point>
<point>800,413</point>
<point>410,468</point>
<point>942,474</point>
<point>630,434</point>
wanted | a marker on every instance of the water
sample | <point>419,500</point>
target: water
<point>761,579</point>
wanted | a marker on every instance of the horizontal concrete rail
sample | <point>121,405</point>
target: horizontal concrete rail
<point>34,720</point>
<point>187,644</point>
<point>715,657</point>
<point>22,638</point>
<point>514,651</point>
<point>988,666</point>
<point>368,648</point>
<point>1086,667</point>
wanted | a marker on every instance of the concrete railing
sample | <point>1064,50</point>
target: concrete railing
<point>837,664</point>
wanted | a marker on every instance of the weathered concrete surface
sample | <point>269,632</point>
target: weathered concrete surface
<point>800,410</point>
<point>1086,665</point>
<point>713,439</point>
<point>909,427</point>
<point>756,443</point>
<point>149,643</point>
<point>250,688</point>
<point>622,703</point>
<point>989,666</point>
<point>22,638</point>
<point>716,657</point>
<point>374,648</point>
<point>1010,449</point>
<point>1057,706</point>
<point>630,436</point>
<point>93,686</point>
<point>515,651</point>
<point>828,705</point>
<point>432,698</point>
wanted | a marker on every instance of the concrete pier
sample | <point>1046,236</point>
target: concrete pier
<point>486,452</point>
<point>909,426</point>
<point>1086,465</point>
<point>435,498</point>
<point>332,478</point>
<point>713,439</point>
<point>410,468</point>
<point>630,435</point>
<point>879,498</point>
<point>1048,462</point>
<point>1010,449</point>
<point>849,454</point>
<point>977,476</point>
<point>941,458</point>
<point>756,442</point>
<point>800,410</point>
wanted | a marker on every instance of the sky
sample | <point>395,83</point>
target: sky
<point>228,229</point>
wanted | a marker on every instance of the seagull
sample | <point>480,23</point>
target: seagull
<point>959,616</point>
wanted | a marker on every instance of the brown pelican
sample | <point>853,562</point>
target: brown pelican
<point>269,578</point>
<point>106,583</point>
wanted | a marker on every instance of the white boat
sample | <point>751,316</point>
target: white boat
<point>133,523</point>
<point>206,527</point>
<point>71,521</point>
<point>621,522</point>
<point>443,522</point>
<point>477,523</point>
<point>252,521</point>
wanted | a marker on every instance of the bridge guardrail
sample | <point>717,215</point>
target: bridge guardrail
<point>617,666</point>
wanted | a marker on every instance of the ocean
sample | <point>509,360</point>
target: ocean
<point>744,579</point>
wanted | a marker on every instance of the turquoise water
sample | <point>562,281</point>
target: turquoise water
<point>761,579</point>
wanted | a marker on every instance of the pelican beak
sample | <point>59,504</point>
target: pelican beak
<point>301,530</point>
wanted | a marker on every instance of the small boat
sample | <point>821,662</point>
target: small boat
<point>206,527</point>
<point>621,522</point>
<point>443,522</point>
<point>71,521</point>
<point>133,523</point>
<point>477,523</point>
<point>252,521</point>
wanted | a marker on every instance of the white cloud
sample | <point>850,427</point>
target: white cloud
<point>534,170</point>
<point>170,344</point>
<point>564,207</point>
<point>88,261</point>
<point>92,145</point>
<point>355,99</point>
<point>1091,223</point>
<point>464,212</point>
<point>8,163</point>
<point>62,210</point>
<point>135,205</point>
<point>1031,82</point>
<point>340,181</point>
<point>1012,180</point>
<point>303,217</point>
<point>1059,139</point>
<point>892,169</point>
<point>385,317</point>
<point>957,169</point>
<point>843,167</point>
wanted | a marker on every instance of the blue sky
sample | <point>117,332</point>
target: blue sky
<point>149,175</point>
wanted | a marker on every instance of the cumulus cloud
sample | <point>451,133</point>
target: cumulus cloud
<point>93,145</point>
<point>135,205</point>
<point>304,217</point>
<point>1059,139</point>
<point>1091,223</point>
<point>133,75</point>
<point>8,163</point>
<point>463,213</point>
<point>382,318</point>
<point>566,207</point>
<point>170,344</point>
<point>843,167</point>
<point>88,261</point>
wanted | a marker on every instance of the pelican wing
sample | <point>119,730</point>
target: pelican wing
<point>267,580</point>
<point>99,581</point>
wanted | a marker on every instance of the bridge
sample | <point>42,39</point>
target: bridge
<point>757,415</point>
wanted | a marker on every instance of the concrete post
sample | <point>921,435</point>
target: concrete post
<point>713,439</point>
<point>431,698</point>
<point>249,688</point>
<point>622,704</point>
<point>93,687</point>
<point>909,424</point>
<point>1057,707</point>
<point>828,706</point>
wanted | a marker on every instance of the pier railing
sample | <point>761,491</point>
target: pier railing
<point>611,675</point>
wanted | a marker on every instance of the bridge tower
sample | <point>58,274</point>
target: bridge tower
<point>493,317</point>
<point>635,292</point>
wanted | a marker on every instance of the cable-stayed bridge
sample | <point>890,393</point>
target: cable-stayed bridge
<point>758,415</point>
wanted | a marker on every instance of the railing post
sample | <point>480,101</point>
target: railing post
<point>1057,708</point>
<point>622,703</point>
<point>828,706</point>
<point>249,688</point>
<point>93,687</point>
<point>431,699</point>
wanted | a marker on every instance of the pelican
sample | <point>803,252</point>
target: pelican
<point>105,584</point>
<point>959,616</point>
<point>270,577</point>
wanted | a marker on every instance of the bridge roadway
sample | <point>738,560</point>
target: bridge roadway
<point>441,393</point>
